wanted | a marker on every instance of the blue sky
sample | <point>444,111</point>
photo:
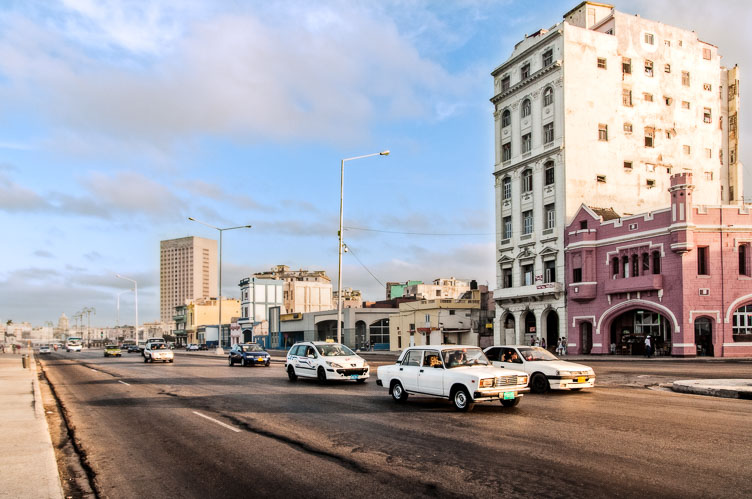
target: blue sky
<point>118,120</point>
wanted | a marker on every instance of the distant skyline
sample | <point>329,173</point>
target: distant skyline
<point>119,120</point>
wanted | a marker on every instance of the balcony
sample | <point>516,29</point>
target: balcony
<point>534,292</point>
<point>178,318</point>
<point>648,282</point>
<point>582,291</point>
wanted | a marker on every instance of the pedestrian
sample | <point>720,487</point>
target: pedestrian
<point>648,347</point>
<point>563,346</point>
<point>368,345</point>
<point>543,343</point>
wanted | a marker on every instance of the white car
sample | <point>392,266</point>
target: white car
<point>192,347</point>
<point>546,370</point>
<point>158,351</point>
<point>460,373</point>
<point>45,349</point>
<point>325,361</point>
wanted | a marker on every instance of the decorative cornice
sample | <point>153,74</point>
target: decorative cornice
<point>526,53</point>
<point>521,84</point>
<point>547,154</point>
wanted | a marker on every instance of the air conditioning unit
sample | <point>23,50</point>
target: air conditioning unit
<point>704,291</point>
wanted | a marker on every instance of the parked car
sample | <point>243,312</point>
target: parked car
<point>112,351</point>
<point>248,354</point>
<point>325,361</point>
<point>134,349</point>
<point>546,370</point>
<point>203,346</point>
<point>459,373</point>
<point>44,349</point>
<point>192,347</point>
<point>158,351</point>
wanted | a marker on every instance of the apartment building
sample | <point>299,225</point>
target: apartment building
<point>303,290</point>
<point>599,109</point>
<point>188,271</point>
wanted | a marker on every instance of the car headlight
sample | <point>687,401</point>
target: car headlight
<point>564,373</point>
<point>334,365</point>
<point>522,380</point>
<point>486,383</point>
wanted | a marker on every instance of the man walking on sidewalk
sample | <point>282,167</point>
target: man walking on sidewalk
<point>648,347</point>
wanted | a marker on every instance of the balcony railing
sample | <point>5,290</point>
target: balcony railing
<point>648,282</point>
<point>535,290</point>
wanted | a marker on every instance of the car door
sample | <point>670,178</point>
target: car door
<point>511,359</point>
<point>431,373</point>
<point>409,369</point>
<point>306,361</point>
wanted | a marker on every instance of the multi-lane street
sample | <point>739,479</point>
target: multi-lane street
<point>199,428</point>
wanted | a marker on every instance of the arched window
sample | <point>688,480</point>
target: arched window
<point>526,108</point>
<point>625,266</point>
<point>506,188</point>
<point>615,266</point>
<point>656,262</point>
<point>527,180</point>
<point>548,96</point>
<point>645,263</point>
<point>506,118</point>
<point>635,265</point>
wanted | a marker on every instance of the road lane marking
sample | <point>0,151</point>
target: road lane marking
<point>123,382</point>
<point>236,430</point>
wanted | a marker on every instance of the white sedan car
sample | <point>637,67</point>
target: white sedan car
<point>546,370</point>
<point>325,361</point>
<point>460,373</point>
<point>158,352</point>
<point>192,347</point>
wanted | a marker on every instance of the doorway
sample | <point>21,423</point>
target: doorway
<point>552,330</point>
<point>586,337</point>
<point>704,337</point>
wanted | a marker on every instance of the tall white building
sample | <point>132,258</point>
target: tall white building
<point>188,271</point>
<point>599,109</point>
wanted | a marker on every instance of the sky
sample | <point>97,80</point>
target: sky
<point>121,119</point>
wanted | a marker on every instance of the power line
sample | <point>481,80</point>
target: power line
<point>366,229</point>
<point>362,265</point>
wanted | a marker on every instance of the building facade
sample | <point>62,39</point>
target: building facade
<point>188,271</point>
<point>351,298</point>
<point>257,296</point>
<point>304,290</point>
<point>682,275</point>
<point>601,108</point>
<point>192,318</point>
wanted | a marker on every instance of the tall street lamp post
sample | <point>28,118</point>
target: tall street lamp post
<point>219,350</point>
<point>135,292</point>
<point>339,248</point>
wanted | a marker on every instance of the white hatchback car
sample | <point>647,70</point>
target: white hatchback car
<point>325,361</point>
<point>546,370</point>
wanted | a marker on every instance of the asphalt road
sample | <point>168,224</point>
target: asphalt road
<point>198,428</point>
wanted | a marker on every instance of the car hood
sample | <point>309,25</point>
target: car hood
<point>255,354</point>
<point>549,366</point>
<point>485,371</point>
<point>346,360</point>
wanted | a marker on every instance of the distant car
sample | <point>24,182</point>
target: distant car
<point>460,373</point>
<point>192,347</point>
<point>203,346</point>
<point>546,370</point>
<point>325,361</point>
<point>133,349</point>
<point>44,349</point>
<point>112,351</point>
<point>158,351</point>
<point>248,354</point>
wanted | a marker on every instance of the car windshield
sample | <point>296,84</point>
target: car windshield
<point>459,357</point>
<point>158,346</point>
<point>536,353</point>
<point>251,348</point>
<point>334,350</point>
<point>109,347</point>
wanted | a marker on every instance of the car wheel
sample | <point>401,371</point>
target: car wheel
<point>539,383</point>
<point>291,373</point>
<point>171,361</point>
<point>145,360</point>
<point>321,375</point>
<point>267,364</point>
<point>461,399</point>
<point>229,359</point>
<point>510,403</point>
<point>398,392</point>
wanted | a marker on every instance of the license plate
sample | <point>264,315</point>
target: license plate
<point>260,359</point>
<point>354,376</point>
<point>508,395</point>
<point>581,379</point>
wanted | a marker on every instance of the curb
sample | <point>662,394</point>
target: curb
<point>724,388</point>
<point>49,461</point>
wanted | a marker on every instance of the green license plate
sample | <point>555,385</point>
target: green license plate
<point>508,395</point>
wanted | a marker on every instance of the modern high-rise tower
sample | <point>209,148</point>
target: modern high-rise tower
<point>188,271</point>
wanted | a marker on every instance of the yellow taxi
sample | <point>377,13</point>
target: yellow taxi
<point>112,351</point>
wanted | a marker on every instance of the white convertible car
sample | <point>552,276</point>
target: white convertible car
<point>460,373</point>
<point>546,370</point>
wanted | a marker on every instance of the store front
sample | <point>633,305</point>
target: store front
<point>629,330</point>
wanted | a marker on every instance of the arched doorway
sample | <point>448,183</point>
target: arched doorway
<point>704,337</point>
<point>629,330</point>
<point>530,330</point>
<point>552,330</point>
<point>586,337</point>
<point>508,325</point>
<point>327,330</point>
<point>360,334</point>
<point>247,335</point>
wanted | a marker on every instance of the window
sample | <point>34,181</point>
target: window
<point>550,210</point>
<point>614,266</point>
<point>669,134</point>
<point>601,63</point>
<point>625,266</point>
<point>667,43</point>
<point>628,165</point>
<point>506,188</point>
<point>706,116</point>
<point>379,332</point>
<point>527,275</point>
<point>527,222</point>
<point>601,179</point>
<point>656,262</point>
<point>708,175</point>
<point>527,142</point>
<point>549,271</point>
<point>626,97</point>
<point>549,173</point>
<point>706,54</point>
<point>627,127</point>
<point>667,68</point>
<point>548,96</point>
<point>505,83</point>
<point>703,254</point>
<point>635,266</point>
<point>506,278</point>
<point>645,263</point>
<point>649,67</point>
<point>668,100</point>
<point>577,275</point>
<point>525,71</point>
<point>602,132</point>
<point>741,328</point>
<point>649,167</point>
<point>647,97</point>
<point>649,38</point>
<point>548,58</point>
<point>507,227</point>
<point>708,153</point>
<point>626,65</point>
<point>732,123</point>
<point>685,78</point>
<point>687,150</point>
<point>527,181</point>
<point>707,86</point>
<point>685,104</point>
<point>649,137</point>
<point>548,133</point>
<point>650,183</point>
<point>583,224</point>
<point>743,259</point>
<point>526,108</point>
<point>506,151</point>
<point>506,118</point>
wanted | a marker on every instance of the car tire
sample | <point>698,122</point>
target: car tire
<point>267,364</point>
<point>461,399</point>
<point>171,361</point>
<point>511,403</point>
<point>231,362</point>
<point>576,389</point>
<point>398,392</point>
<point>539,383</point>
<point>321,375</point>
<point>291,374</point>
<point>145,359</point>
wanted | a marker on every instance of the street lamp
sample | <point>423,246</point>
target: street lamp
<point>339,248</point>
<point>117,324</point>
<point>135,292</point>
<point>219,350</point>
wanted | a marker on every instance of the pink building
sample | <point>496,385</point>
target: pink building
<point>682,275</point>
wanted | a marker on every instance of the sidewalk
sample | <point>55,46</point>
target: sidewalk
<point>27,459</point>
<point>726,388</point>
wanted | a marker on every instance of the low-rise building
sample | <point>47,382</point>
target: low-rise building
<point>192,318</point>
<point>304,290</point>
<point>351,298</point>
<point>257,296</point>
